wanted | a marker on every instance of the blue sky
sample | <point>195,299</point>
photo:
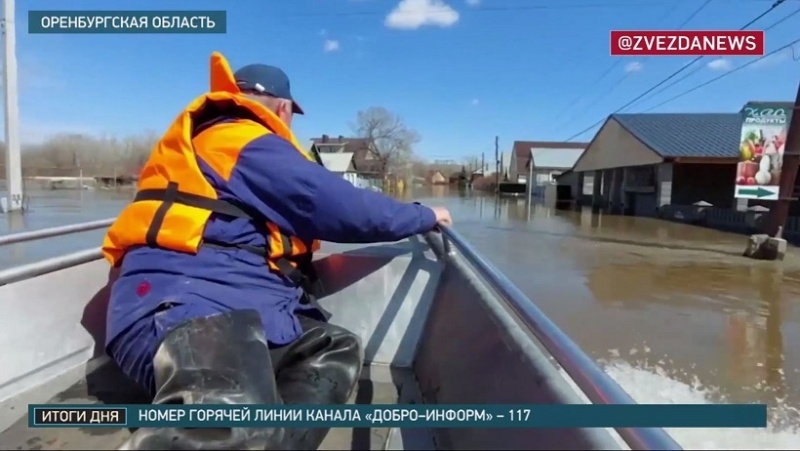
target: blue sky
<point>458,71</point>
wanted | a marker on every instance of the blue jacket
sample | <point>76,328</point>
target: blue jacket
<point>302,198</point>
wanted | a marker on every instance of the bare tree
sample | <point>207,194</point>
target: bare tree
<point>419,167</point>
<point>71,154</point>
<point>392,140</point>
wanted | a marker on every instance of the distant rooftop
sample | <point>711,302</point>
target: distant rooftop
<point>363,158</point>
<point>561,158</point>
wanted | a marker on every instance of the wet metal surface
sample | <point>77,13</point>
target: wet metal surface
<point>674,311</point>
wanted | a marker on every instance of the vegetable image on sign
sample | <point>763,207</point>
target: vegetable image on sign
<point>761,147</point>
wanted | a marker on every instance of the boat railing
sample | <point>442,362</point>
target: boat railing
<point>598,386</point>
<point>29,270</point>
<point>595,383</point>
<point>32,235</point>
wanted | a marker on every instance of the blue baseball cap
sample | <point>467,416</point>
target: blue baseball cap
<point>264,79</point>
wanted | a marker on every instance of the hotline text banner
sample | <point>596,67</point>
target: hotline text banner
<point>122,22</point>
<point>427,416</point>
<point>687,43</point>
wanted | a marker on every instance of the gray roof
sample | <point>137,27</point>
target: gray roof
<point>544,157</point>
<point>699,135</point>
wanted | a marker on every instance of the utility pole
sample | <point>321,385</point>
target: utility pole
<point>497,163</point>
<point>530,177</point>
<point>791,161</point>
<point>483,164</point>
<point>13,157</point>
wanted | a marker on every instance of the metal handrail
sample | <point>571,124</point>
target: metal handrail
<point>38,268</point>
<point>41,267</point>
<point>32,235</point>
<point>598,386</point>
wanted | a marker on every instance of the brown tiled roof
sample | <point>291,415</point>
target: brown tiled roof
<point>360,147</point>
<point>522,149</point>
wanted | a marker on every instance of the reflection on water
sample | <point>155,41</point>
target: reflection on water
<point>758,338</point>
<point>646,292</point>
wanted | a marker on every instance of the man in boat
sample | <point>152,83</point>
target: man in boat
<point>215,299</point>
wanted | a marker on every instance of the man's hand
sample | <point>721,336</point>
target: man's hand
<point>442,216</point>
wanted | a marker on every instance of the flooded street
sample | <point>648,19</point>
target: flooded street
<point>673,311</point>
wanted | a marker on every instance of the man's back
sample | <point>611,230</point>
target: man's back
<point>213,251</point>
<point>269,176</point>
<point>214,279</point>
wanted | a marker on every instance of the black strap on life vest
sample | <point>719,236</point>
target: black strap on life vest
<point>302,273</point>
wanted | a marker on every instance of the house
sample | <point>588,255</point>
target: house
<point>547,164</point>
<point>639,163</point>
<point>458,177</point>
<point>522,153</point>
<point>365,159</point>
<point>341,163</point>
<point>436,177</point>
<point>476,174</point>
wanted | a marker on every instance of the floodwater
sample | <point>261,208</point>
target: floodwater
<point>672,311</point>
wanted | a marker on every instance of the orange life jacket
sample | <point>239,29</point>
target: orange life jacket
<point>174,200</point>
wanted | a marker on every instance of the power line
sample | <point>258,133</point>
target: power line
<point>628,74</point>
<point>625,77</point>
<point>619,61</point>
<point>687,20</point>
<point>700,67</point>
<point>694,14</point>
<point>684,67</point>
<point>697,69</point>
<point>702,85</point>
<point>589,89</point>
<point>784,19</point>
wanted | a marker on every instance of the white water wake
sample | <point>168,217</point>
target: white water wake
<point>654,385</point>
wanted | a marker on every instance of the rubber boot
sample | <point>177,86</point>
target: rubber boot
<point>320,368</point>
<point>219,359</point>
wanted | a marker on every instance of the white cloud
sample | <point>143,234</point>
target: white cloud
<point>720,64</point>
<point>473,2</point>
<point>413,14</point>
<point>476,102</point>
<point>331,45</point>
<point>634,66</point>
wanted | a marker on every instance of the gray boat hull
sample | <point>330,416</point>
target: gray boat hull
<point>433,331</point>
